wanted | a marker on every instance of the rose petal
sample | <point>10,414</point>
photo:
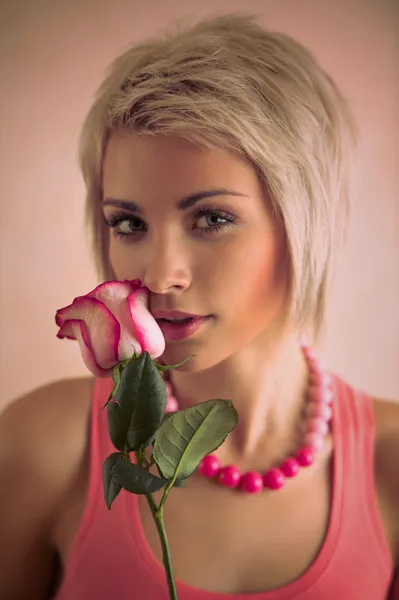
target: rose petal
<point>114,295</point>
<point>78,332</point>
<point>146,328</point>
<point>102,330</point>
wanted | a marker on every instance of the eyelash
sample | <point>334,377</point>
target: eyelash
<point>113,220</point>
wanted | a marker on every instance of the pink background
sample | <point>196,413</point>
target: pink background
<point>53,55</point>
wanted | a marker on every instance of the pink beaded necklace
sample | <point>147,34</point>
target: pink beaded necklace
<point>319,414</point>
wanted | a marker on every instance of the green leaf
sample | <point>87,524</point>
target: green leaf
<point>111,487</point>
<point>139,405</point>
<point>167,416</point>
<point>190,434</point>
<point>179,483</point>
<point>136,479</point>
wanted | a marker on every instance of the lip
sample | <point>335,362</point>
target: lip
<point>160,313</point>
<point>173,331</point>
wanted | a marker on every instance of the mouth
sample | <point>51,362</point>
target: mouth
<point>178,329</point>
<point>176,321</point>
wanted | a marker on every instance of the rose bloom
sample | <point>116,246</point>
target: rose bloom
<point>110,323</point>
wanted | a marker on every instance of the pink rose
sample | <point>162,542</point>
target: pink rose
<point>108,322</point>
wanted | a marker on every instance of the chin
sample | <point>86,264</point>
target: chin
<point>204,356</point>
<point>176,353</point>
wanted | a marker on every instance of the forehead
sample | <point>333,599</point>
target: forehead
<point>135,163</point>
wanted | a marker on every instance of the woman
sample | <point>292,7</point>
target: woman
<point>217,166</point>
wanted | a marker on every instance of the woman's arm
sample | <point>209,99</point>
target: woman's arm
<point>38,455</point>
<point>394,593</point>
<point>387,473</point>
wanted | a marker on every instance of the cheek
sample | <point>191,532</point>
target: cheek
<point>251,272</point>
<point>120,259</point>
<point>270,272</point>
<point>263,286</point>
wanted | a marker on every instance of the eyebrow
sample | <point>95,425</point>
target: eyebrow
<point>183,204</point>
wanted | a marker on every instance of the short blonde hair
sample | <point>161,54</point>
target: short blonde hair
<point>230,83</point>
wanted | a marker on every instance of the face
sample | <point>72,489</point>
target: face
<point>195,226</point>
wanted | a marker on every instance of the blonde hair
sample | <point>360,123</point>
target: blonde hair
<point>227,82</point>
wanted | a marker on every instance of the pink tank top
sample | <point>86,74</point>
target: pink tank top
<point>111,558</point>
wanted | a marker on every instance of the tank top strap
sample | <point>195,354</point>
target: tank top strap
<point>354,441</point>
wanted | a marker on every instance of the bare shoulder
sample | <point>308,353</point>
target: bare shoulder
<point>46,430</point>
<point>43,438</point>
<point>47,417</point>
<point>44,433</point>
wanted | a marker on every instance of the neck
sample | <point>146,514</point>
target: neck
<point>267,383</point>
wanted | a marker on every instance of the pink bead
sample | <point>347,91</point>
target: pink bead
<point>314,440</point>
<point>320,410</point>
<point>320,394</point>
<point>229,476</point>
<point>315,364</point>
<point>172,404</point>
<point>320,378</point>
<point>308,351</point>
<point>273,479</point>
<point>317,425</point>
<point>251,482</point>
<point>209,466</point>
<point>305,456</point>
<point>290,467</point>
<point>169,389</point>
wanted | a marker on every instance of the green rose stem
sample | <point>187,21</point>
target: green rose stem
<point>137,420</point>
<point>157,513</point>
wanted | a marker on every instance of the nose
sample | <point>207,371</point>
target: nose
<point>165,265</point>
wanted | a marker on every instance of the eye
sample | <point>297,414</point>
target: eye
<point>215,219</point>
<point>123,225</point>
